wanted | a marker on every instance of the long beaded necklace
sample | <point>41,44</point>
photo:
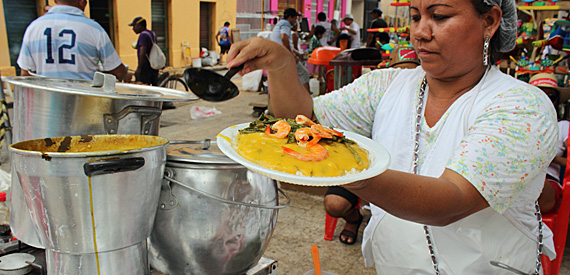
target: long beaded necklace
<point>419,111</point>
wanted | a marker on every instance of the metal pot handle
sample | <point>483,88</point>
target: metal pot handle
<point>148,114</point>
<point>232,202</point>
<point>112,166</point>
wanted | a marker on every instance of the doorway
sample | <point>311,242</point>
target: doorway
<point>18,15</point>
<point>206,15</point>
<point>159,21</point>
<point>102,13</point>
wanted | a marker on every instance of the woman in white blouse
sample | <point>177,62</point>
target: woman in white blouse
<point>469,145</point>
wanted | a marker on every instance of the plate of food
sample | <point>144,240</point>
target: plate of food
<point>302,152</point>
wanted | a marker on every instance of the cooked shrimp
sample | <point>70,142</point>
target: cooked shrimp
<point>281,127</point>
<point>302,135</point>
<point>318,153</point>
<point>301,119</point>
<point>325,130</point>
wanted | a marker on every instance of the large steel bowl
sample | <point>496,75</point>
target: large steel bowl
<point>214,217</point>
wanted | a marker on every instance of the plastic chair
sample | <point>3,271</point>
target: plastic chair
<point>330,224</point>
<point>558,223</point>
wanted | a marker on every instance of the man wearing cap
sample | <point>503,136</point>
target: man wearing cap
<point>144,72</point>
<point>64,43</point>
<point>377,22</point>
<point>281,34</point>
<point>352,29</point>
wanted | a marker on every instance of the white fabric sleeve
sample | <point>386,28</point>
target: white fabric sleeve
<point>107,53</point>
<point>353,107</point>
<point>508,146</point>
<point>25,59</point>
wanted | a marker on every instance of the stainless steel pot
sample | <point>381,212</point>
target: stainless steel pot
<point>93,199</point>
<point>52,107</point>
<point>214,215</point>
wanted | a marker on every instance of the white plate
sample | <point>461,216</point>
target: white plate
<point>377,155</point>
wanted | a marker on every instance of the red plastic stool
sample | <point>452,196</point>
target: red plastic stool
<point>330,224</point>
<point>558,223</point>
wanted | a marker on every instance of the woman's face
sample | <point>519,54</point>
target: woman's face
<point>448,36</point>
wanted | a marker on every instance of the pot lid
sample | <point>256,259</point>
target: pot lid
<point>202,152</point>
<point>15,261</point>
<point>103,85</point>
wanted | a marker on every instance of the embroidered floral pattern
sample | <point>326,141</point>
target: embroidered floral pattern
<point>509,144</point>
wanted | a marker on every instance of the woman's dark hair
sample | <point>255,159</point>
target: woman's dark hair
<point>494,53</point>
<point>321,16</point>
<point>319,30</point>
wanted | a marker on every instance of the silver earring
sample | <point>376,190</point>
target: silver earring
<point>486,50</point>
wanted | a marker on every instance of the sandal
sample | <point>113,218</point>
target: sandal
<point>349,234</point>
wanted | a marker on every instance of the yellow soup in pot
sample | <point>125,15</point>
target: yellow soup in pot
<point>267,152</point>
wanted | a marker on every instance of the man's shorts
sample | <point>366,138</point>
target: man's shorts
<point>225,48</point>
<point>303,73</point>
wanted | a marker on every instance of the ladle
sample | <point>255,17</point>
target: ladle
<point>211,86</point>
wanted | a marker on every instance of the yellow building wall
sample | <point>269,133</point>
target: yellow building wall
<point>184,25</point>
<point>124,12</point>
<point>5,68</point>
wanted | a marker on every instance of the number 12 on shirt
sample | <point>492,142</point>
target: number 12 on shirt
<point>65,34</point>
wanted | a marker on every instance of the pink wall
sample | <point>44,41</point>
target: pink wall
<point>273,5</point>
<point>307,12</point>
<point>319,6</point>
<point>331,10</point>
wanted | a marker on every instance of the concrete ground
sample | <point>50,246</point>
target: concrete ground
<point>302,223</point>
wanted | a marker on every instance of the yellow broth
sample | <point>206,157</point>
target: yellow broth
<point>267,152</point>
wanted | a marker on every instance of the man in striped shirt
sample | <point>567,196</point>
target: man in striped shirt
<point>64,43</point>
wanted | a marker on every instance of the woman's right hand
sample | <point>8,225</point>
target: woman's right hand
<point>259,53</point>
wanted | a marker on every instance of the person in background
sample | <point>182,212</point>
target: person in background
<point>64,43</point>
<point>377,22</point>
<point>315,41</point>
<point>551,195</point>
<point>295,41</point>
<point>469,145</point>
<point>330,30</point>
<point>144,73</point>
<point>281,34</point>
<point>223,39</point>
<point>352,29</point>
<point>46,8</point>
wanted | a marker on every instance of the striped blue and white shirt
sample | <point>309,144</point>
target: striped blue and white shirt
<point>64,43</point>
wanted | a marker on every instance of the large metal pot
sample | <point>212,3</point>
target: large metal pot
<point>53,107</point>
<point>93,199</point>
<point>214,217</point>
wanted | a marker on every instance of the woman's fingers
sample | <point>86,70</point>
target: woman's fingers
<point>258,53</point>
